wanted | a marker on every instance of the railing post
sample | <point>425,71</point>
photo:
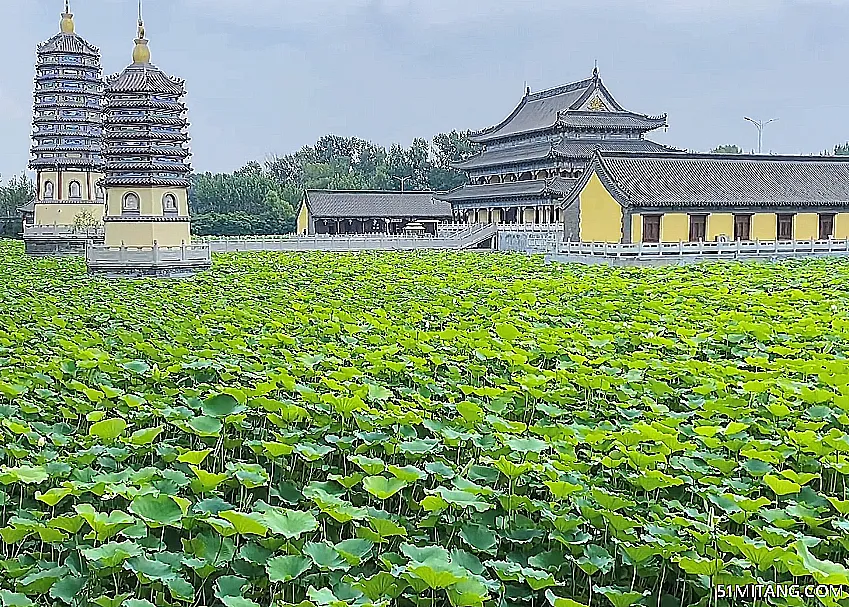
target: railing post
<point>155,252</point>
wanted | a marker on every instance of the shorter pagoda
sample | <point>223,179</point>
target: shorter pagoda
<point>148,228</point>
<point>68,208</point>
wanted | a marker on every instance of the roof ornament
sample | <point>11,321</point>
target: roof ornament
<point>141,53</point>
<point>66,26</point>
<point>595,70</point>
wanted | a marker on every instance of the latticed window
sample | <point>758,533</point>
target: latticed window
<point>48,190</point>
<point>74,189</point>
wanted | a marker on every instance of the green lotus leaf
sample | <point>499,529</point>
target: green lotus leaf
<point>824,572</point>
<point>161,510</point>
<point>380,585</point>
<point>701,566</point>
<point>781,486</point>
<point>369,465</point>
<point>181,590</point>
<point>108,429</point>
<point>138,367</point>
<point>151,569</point>
<point>325,556</point>
<point>479,537</point>
<point>194,458</point>
<point>221,405</point>
<point>246,524</point>
<point>382,487</point>
<point>438,573</point>
<point>287,568</point>
<point>556,601</point>
<point>204,426</point>
<point>619,597</point>
<point>112,554</point>
<point>146,436</point>
<point>290,524</point>
<point>238,601</point>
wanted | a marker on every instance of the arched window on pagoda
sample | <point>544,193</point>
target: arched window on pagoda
<point>48,190</point>
<point>130,204</point>
<point>74,190</point>
<point>169,204</point>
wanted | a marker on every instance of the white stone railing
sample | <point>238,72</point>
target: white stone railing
<point>359,242</point>
<point>739,248</point>
<point>129,257</point>
<point>64,231</point>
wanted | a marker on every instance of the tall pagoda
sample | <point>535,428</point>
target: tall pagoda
<point>533,158</point>
<point>66,152</point>
<point>147,173</point>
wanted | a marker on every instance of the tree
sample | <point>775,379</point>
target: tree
<point>727,149</point>
<point>841,150</point>
<point>85,222</point>
<point>17,192</point>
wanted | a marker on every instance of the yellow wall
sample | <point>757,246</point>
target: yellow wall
<point>144,233</point>
<point>85,180</point>
<point>528,215</point>
<point>64,214</point>
<point>674,227</point>
<point>303,219</point>
<point>601,215</point>
<point>636,227</point>
<point>841,225</point>
<point>806,226</point>
<point>496,215</point>
<point>150,200</point>
<point>719,224</point>
<point>763,227</point>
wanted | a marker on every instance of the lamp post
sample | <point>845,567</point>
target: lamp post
<point>402,180</point>
<point>760,124</point>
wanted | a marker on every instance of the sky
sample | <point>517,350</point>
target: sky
<point>268,77</point>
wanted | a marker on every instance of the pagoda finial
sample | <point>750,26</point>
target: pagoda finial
<point>66,26</point>
<point>595,69</point>
<point>141,53</point>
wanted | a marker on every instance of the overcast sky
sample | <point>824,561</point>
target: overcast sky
<point>270,76</point>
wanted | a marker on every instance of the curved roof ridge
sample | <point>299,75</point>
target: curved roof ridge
<point>559,90</point>
<point>67,42</point>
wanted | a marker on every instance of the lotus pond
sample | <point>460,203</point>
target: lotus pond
<point>430,429</point>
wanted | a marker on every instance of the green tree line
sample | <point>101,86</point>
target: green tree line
<point>263,198</point>
<point>15,193</point>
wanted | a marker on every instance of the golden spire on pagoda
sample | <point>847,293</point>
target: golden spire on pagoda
<point>141,53</point>
<point>67,24</point>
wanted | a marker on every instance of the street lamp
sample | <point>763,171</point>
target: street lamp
<point>760,124</point>
<point>402,180</point>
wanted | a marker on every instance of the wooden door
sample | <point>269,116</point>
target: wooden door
<point>826,226</point>
<point>742,227</point>
<point>651,228</point>
<point>698,228</point>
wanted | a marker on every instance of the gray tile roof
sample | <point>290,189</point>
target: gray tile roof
<point>68,43</point>
<point>555,187</point>
<point>551,108</point>
<point>719,180</point>
<point>609,120</point>
<point>349,203</point>
<point>144,78</point>
<point>567,148</point>
<point>538,150</point>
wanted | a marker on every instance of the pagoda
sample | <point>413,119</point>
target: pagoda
<point>66,153</point>
<point>534,157</point>
<point>147,174</point>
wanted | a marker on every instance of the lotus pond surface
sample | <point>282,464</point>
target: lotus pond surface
<point>420,429</point>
